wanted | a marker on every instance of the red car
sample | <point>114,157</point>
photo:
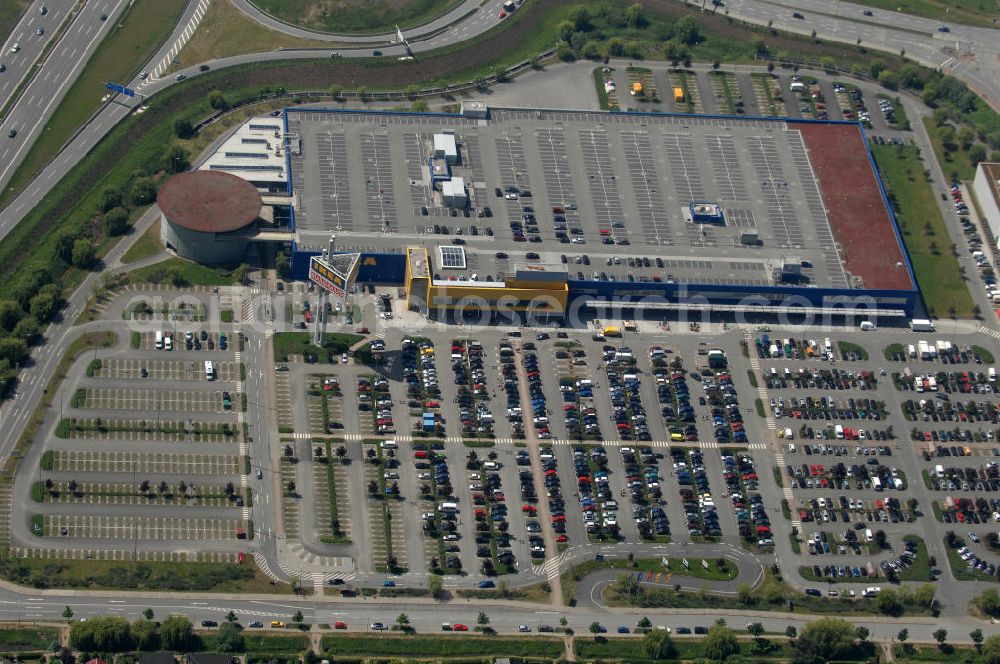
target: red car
<point>459,627</point>
<point>562,538</point>
<point>340,624</point>
<point>361,330</point>
<point>502,14</point>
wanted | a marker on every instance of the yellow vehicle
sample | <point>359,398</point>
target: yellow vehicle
<point>637,89</point>
<point>277,624</point>
<point>676,436</point>
<point>679,95</point>
<point>612,331</point>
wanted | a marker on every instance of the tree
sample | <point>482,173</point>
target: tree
<point>116,221</point>
<point>965,137</point>
<point>687,30</point>
<point>888,79</point>
<point>674,51</point>
<point>67,613</point>
<point>183,128</point>
<point>644,623</point>
<point>231,616</point>
<point>176,160</point>
<point>880,539</point>
<point>14,351</point>
<point>791,632</point>
<point>657,644</point>
<point>84,254</point>
<point>991,649</point>
<point>147,614</point>
<point>72,486</point>
<point>862,633</point>
<point>27,330</point>
<point>103,634</point>
<point>635,16</point>
<point>230,638</point>
<point>616,47</point>
<point>977,153</point>
<point>595,628</point>
<point>145,635</point>
<point>989,603</point>
<point>903,635</point>
<point>177,633</point>
<point>297,618</point>
<point>977,638</point>
<point>10,313</point>
<point>755,629</point>
<point>403,621</point>
<point>435,583</point>
<point>940,635</point>
<point>826,638</point>
<point>43,306</point>
<point>720,642</point>
<point>580,16</point>
<point>217,100</point>
<point>142,191</point>
<point>888,603</point>
<point>482,619</point>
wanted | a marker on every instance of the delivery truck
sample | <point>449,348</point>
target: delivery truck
<point>921,325</point>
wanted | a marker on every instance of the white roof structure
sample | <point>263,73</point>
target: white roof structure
<point>253,152</point>
<point>453,188</point>
<point>445,146</point>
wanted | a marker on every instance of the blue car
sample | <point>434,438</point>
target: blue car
<point>388,583</point>
<point>487,584</point>
<point>622,629</point>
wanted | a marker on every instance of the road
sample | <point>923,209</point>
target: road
<point>18,63</point>
<point>428,615</point>
<point>55,76</point>
<point>484,17</point>
<point>968,53</point>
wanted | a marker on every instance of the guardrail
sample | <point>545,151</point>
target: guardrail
<point>792,63</point>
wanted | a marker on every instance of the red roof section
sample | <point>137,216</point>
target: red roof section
<point>209,201</point>
<point>858,215</point>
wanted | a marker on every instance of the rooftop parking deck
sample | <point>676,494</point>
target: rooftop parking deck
<point>623,197</point>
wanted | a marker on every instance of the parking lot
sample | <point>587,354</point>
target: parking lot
<point>692,463</point>
<point>129,461</point>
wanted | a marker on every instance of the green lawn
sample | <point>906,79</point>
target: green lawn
<point>444,645</point>
<point>262,642</point>
<point>27,638</point>
<point>300,343</point>
<point>180,272</point>
<point>127,48</point>
<point>357,16</point>
<point>147,245</point>
<point>848,347</point>
<point>971,12</point>
<point>919,570</point>
<point>631,650</point>
<point>923,230</point>
<point>931,653</point>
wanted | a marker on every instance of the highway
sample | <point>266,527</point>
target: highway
<point>56,75</point>
<point>18,63</point>
<point>969,53</point>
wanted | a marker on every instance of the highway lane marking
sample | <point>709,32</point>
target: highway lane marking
<point>41,117</point>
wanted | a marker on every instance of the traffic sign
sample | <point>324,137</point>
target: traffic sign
<point>120,89</point>
<point>324,276</point>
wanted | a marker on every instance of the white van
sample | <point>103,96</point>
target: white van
<point>168,343</point>
<point>209,370</point>
<point>867,325</point>
<point>449,507</point>
<point>159,340</point>
<point>389,445</point>
<point>839,431</point>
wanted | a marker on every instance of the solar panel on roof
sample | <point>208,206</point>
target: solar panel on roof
<point>452,257</point>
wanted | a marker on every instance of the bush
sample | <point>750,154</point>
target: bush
<point>116,221</point>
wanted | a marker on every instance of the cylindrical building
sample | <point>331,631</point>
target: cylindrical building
<point>204,214</point>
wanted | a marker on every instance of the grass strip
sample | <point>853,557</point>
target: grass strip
<point>941,281</point>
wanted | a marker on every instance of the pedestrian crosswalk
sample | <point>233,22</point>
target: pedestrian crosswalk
<point>991,331</point>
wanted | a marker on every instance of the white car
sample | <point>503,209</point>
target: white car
<point>974,537</point>
<point>16,47</point>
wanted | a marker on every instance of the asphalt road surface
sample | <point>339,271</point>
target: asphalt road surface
<point>968,53</point>
<point>55,76</point>
<point>18,63</point>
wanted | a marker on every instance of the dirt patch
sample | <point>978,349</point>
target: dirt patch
<point>858,215</point>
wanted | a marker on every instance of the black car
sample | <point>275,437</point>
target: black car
<point>209,623</point>
<point>203,67</point>
<point>798,16</point>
